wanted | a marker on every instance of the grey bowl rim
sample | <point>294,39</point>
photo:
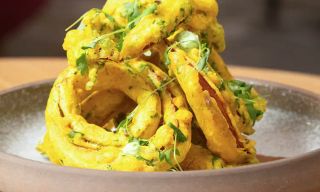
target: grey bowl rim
<point>17,160</point>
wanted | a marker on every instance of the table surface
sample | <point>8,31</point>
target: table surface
<point>16,71</point>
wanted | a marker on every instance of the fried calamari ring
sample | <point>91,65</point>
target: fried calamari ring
<point>139,141</point>
<point>115,108</point>
<point>213,115</point>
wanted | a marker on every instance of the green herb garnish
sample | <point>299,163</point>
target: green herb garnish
<point>125,123</point>
<point>204,56</point>
<point>133,148</point>
<point>243,91</point>
<point>82,64</point>
<point>188,40</point>
<point>110,18</point>
<point>75,23</point>
<point>166,155</point>
<point>180,136</point>
<point>148,162</point>
<point>79,20</point>
<point>73,133</point>
<point>142,142</point>
<point>253,112</point>
<point>217,162</point>
<point>133,17</point>
<point>120,38</point>
<point>166,56</point>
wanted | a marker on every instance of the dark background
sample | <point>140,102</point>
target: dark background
<point>281,34</point>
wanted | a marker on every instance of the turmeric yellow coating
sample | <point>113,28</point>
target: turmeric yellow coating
<point>72,141</point>
<point>146,90</point>
<point>200,158</point>
<point>207,109</point>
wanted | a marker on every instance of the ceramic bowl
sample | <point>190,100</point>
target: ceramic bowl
<point>290,129</point>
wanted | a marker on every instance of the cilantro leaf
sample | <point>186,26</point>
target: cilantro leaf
<point>148,162</point>
<point>243,91</point>
<point>166,155</point>
<point>135,16</point>
<point>110,18</point>
<point>161,155</point>
<point>143,142</point>
<point>253,112</point>
<point>240,89</point>
<point>166,56</point>
<point>132,10</point>
<point>204,56</point>
<point>92,44</point>
<point>73,133</point>
<point>177,152</point>
<point>76,22</point>
<point>188,40</point>
<point>180,136</point>
<point>82,64</point>
<point>125,123</point>
<point>217,162</point>
<point>120,38</point>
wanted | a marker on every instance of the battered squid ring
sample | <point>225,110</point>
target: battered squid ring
<point>71,141</point>
<point>213,115</point>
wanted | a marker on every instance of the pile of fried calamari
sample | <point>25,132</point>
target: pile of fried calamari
<point>146,90</point>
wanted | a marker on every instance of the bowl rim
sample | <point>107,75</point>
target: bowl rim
<point>17,160</point>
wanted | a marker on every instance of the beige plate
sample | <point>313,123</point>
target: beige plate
<point>290,129</point>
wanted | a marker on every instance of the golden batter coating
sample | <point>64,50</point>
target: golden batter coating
<point>144,77</point>
<point>72,141</point>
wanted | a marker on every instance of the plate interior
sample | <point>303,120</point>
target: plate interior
<point>291,125</point>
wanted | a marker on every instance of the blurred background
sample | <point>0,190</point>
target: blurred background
<point>280,34</point>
